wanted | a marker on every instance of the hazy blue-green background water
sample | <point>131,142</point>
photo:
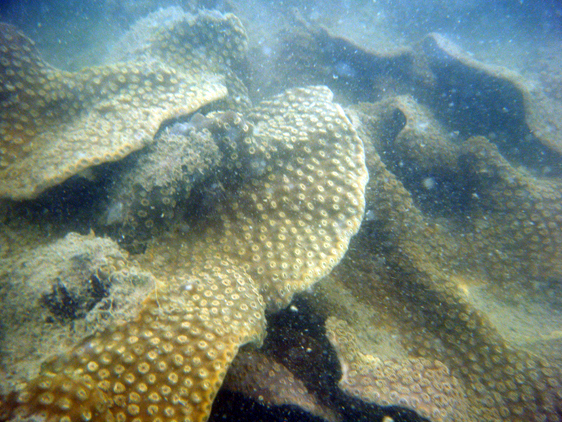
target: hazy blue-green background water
<point>72,33</point>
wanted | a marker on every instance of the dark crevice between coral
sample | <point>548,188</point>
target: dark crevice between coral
<point>465,100</point>
<point>352,73</point>
<point>77,204</point>
<point>476,103</point>
<point>511,135</point>
<point>472,101</point>
<point>359,411</point>
<point>296,338</point>
<point>186,118</point>
<point>71,206</point>
<point>235,407</point>
<point>202,201</point>
<point>197,193</point>
<point>438,192</point>
<point>357,74</point>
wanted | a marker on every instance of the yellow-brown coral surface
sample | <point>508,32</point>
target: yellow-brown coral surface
<point>418,287</point>
<point>54,124</point>
<point>166,364</point>
<point>440,293</point>
<point>291,220</point>
<point>277,229</point>
<point>416,383</point>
